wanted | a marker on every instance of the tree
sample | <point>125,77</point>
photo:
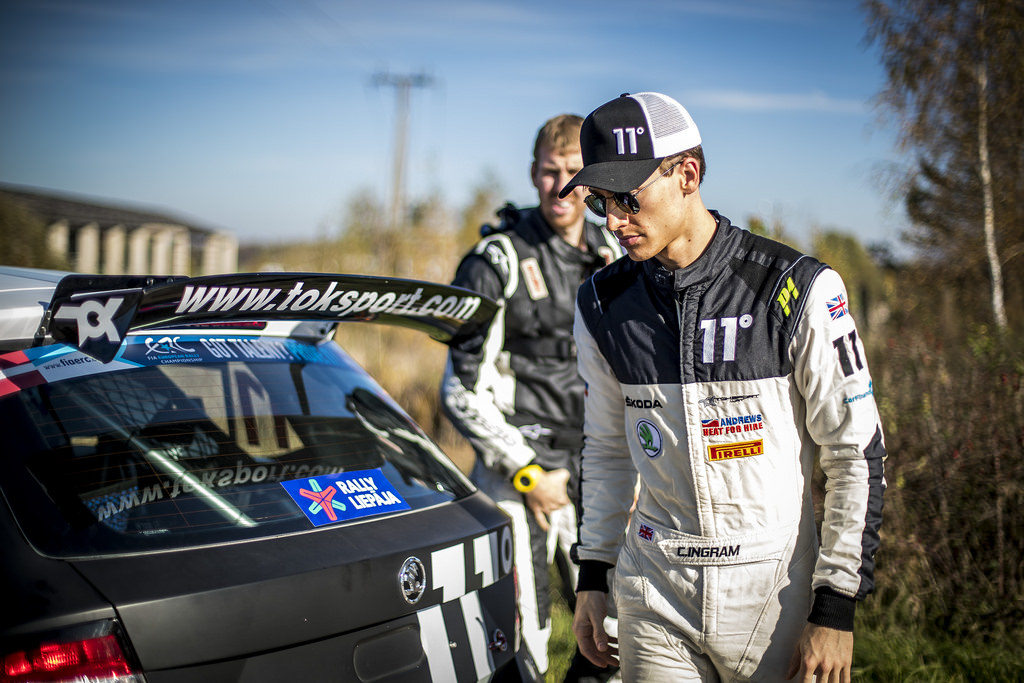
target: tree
<point>865,283</point>
<point>23,238</point>
<point>956,84</point>
<point>483,204</point>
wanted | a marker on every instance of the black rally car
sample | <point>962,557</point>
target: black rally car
<point>198,484</point>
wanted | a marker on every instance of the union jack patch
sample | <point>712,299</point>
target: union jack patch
<point>646,532</point>
<point>837,307</point>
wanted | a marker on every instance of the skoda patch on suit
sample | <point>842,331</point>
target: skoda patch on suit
<point>650,438</point>
<point>729,451</point>
<point>336,497</point>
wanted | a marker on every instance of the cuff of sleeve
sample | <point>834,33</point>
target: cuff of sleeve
<point>832,609</point>
<point>516,459</point>
<point>593,576</point>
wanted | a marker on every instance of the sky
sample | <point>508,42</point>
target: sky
<point>263,117</point>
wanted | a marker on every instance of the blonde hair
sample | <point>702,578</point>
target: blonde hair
<point>559,135</point>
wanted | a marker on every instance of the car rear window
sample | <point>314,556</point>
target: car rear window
<point>197,439</point>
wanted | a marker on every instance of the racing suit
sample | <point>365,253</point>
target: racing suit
<point>519,400</point>
<point>720,383</point>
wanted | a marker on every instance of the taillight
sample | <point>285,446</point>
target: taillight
<point>98,659</point>
<point>519,616</point>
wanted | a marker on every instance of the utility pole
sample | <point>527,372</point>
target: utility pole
<point>402,83</point>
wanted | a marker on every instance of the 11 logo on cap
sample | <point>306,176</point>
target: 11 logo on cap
<point>620,138</point>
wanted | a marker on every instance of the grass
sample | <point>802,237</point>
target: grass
<point>562,644</point>
<point>886,650</point>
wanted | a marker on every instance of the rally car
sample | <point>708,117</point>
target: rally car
<point>197,483</point>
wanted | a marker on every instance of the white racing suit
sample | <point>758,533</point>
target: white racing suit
<point>520,399</point>
<point>720,384</point>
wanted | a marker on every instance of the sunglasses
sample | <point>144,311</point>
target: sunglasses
<point>626,201</point>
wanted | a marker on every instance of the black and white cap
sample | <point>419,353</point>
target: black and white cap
<point>624,141</point>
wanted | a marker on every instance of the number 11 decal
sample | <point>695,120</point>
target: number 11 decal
<point>844,353</point>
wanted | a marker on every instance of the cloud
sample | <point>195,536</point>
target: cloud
<point>743,100</point>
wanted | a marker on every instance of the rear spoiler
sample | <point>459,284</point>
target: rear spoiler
<point>94,312</point>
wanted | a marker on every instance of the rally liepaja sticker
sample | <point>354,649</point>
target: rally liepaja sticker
<point>332,498</point>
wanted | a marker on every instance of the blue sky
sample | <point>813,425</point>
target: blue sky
<point>261,117</point>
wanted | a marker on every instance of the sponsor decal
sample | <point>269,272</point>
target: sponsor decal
<point>650,438</point>
<point>645,532</point>
<point>643,403</point>
<point>497,256</point>
<point>837,307</point>
<point>534,431</point>
<point>17,372</point>
<point>720,426</point>
<point>202,349</point>
<point>340,497</point>
<point>712,401</point>
<point>94,319</point>
<point>535,285</point>
<point>108,507</point>
<point>57,362</point>
<point>454,569</point>
<point>730,451</point>
<point>789,293</point>
<point>730,327</point>
<point>165,346</point>
<point>329,300</point>
<point>168,350</point>
<point>869,392</point>
<point>708,551</point>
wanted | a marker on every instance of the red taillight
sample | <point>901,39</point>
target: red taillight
<point>519,616</point>
<point>92,659</point>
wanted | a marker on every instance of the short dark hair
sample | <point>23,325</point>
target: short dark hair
<point>559,134</point>
<point>692,153</point>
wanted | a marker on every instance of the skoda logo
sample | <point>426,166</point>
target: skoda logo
<point>650,438</point>
<point>413,580</point>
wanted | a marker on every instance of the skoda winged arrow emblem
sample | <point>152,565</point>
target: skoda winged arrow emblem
<point>412,579</point>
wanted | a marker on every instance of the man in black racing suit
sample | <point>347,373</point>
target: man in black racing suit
<point>519,401</point>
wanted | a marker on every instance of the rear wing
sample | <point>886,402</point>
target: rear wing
<point>94,312</point>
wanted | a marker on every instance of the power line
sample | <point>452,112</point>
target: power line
<point>403,84</point>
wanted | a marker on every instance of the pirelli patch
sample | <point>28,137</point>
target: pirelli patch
<point>731,451</point>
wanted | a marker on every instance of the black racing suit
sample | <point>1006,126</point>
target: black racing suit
<point>519,400</point>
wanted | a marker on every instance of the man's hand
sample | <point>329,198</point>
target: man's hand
<point>588,627</point>
<point>825,652</point>
<point>548,495</point>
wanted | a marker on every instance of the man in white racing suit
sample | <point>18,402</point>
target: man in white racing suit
<point>519,400</point>
<point>719,366</point>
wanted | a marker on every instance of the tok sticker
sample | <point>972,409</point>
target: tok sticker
<point>650,438</point>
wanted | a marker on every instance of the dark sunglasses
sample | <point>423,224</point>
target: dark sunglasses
<point>626,201</point>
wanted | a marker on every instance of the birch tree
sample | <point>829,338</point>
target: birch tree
<point>955,82</point>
